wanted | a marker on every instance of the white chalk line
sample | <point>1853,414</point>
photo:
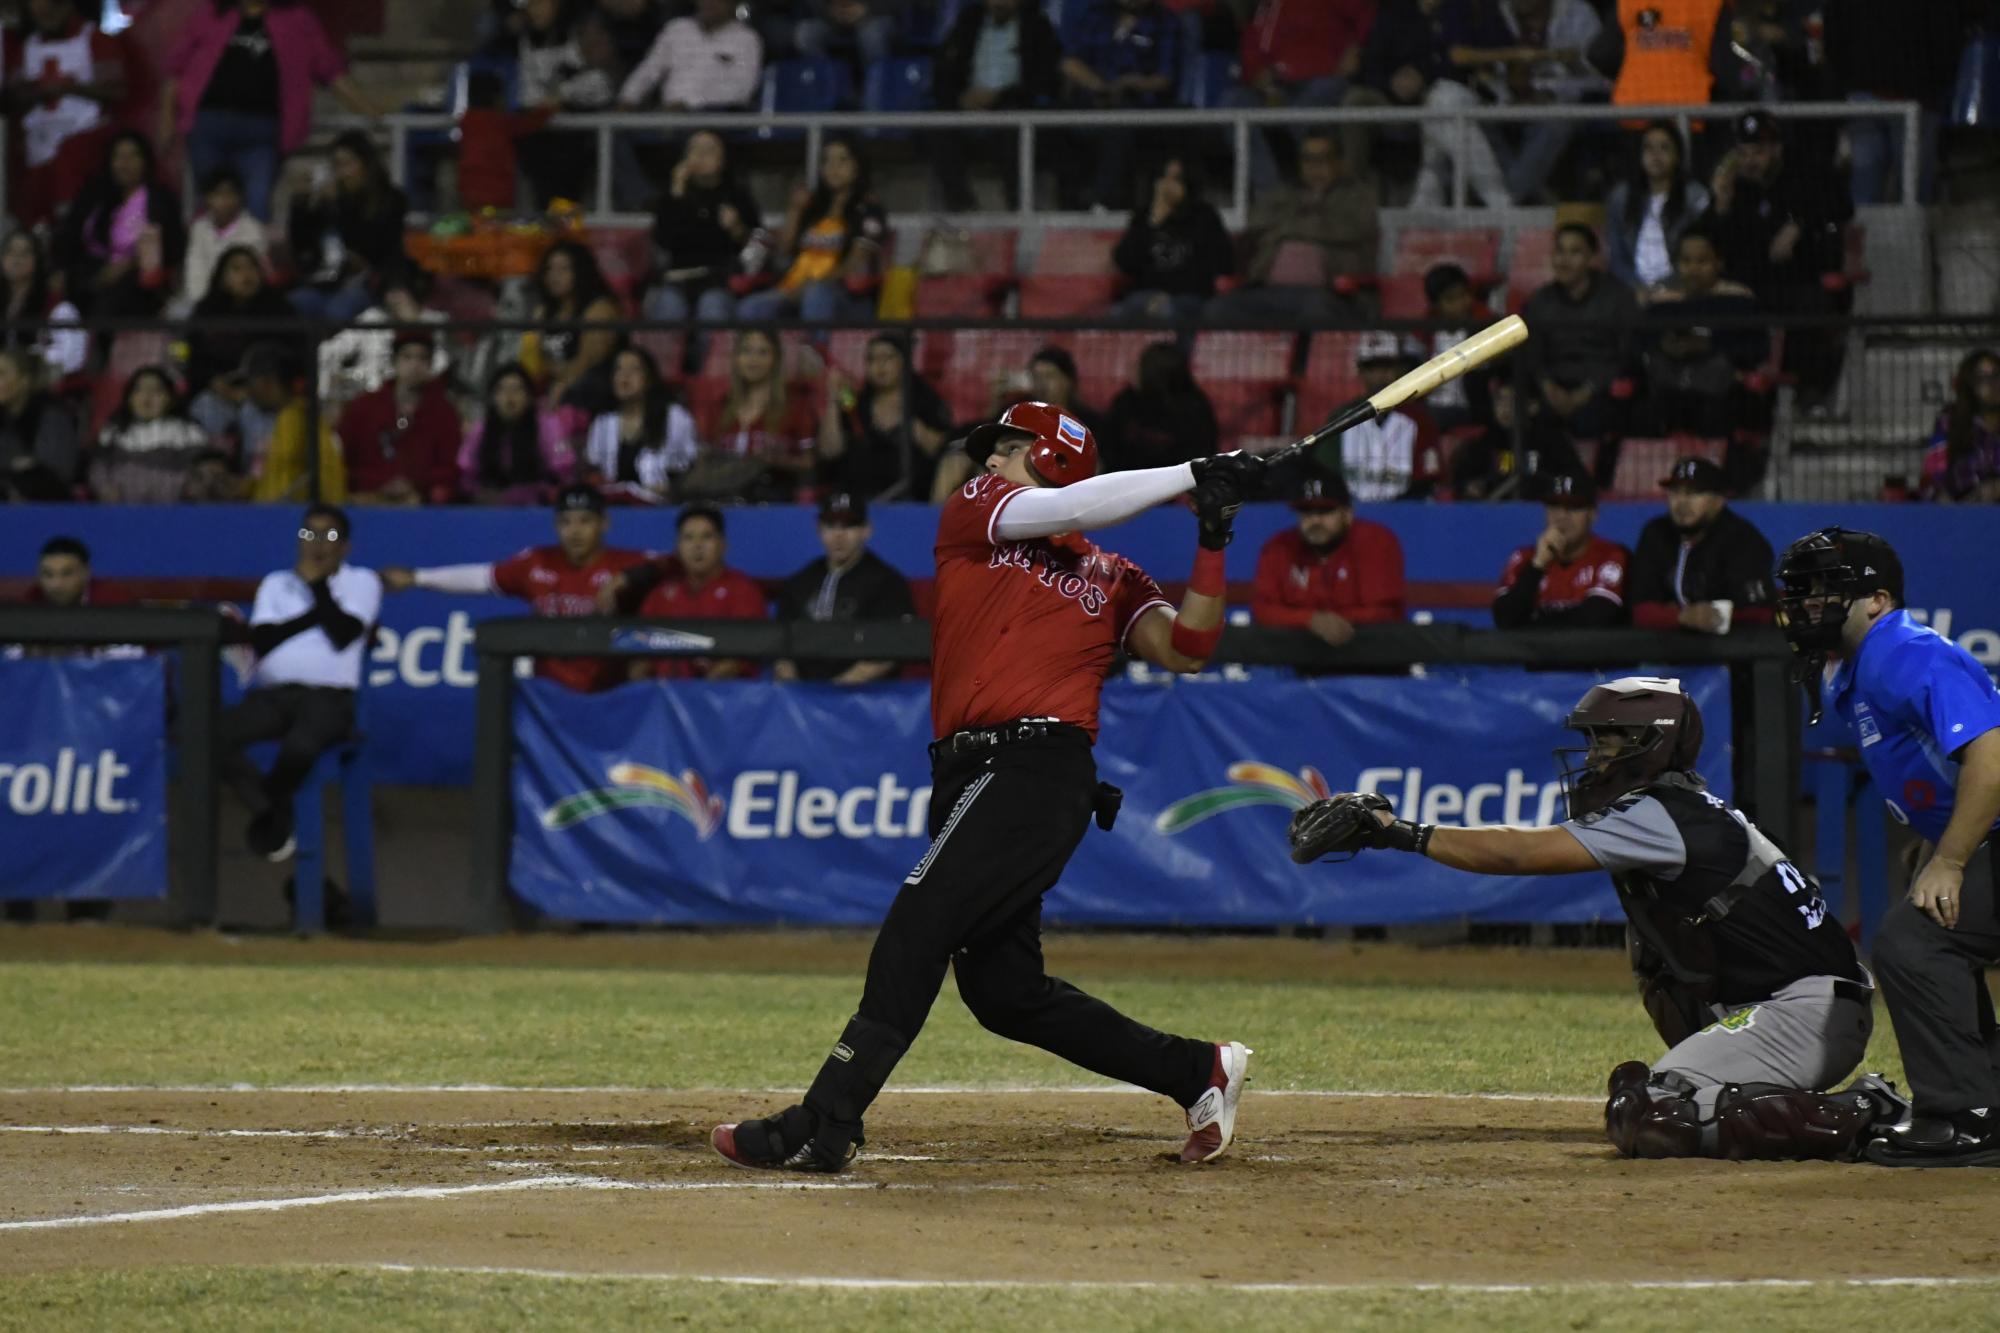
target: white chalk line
<point>399,1192</point>
<point>929,1090</point>
<point>1086,1284</point>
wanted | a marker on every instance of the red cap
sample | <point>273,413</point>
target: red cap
<point>1064,450</point>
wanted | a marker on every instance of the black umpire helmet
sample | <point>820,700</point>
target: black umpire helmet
<point>1636,729</point>
<point>1824,573</point>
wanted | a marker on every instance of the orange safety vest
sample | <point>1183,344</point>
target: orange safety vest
<point>1666,50</point>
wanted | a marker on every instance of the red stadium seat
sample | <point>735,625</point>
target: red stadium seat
<point>1246,376</point>
<point>1068,296</point>
<point>1641,463</point>
<point>1402,296</point>
<point>666,347</point>
<point>976,358</point>
<point>1330,378</point>
<point>624,255</point>
<point>1474,249</point>
<point>1108,359</point>
<point>979,292</point>
<point>1075,251</point>
<point>1532,266</point>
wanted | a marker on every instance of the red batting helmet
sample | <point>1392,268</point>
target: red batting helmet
<point>1063,451</point>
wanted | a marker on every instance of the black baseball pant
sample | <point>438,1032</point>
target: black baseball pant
<point>1004,821</point>
<point>1935,982</point>
<point>305,720</point>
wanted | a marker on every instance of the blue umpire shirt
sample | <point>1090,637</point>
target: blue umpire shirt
<point>1912,699</point>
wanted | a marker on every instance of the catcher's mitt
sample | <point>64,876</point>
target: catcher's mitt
<point>1340,824</point>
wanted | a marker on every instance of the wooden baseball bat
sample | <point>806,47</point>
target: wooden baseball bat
<point>1492,341</point>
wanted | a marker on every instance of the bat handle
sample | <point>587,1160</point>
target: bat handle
<point>1346,419</point>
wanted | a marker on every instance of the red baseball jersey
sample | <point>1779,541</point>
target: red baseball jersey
<point>1360,580</point>
<point>730,595</point>
<point>543,577</point>
<point>1027,628</point>
<point>1599,571</point>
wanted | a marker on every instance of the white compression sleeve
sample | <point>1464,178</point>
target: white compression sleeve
<point>1096,503</point>
<point>456,578</point>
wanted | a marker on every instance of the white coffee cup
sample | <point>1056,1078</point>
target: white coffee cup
<point>1728,610</point>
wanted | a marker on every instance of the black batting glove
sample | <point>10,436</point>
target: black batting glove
<point>1215,504</point>
<point>1243,471</point>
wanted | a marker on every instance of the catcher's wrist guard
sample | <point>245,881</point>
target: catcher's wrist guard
<point>1404,836</point>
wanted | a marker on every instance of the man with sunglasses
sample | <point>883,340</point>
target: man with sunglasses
<point>1747,976</point>
<point>310,628</point>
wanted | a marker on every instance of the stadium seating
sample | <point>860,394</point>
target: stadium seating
<point>1107,359</point>
<point>1531,265</point>
<point>1475,249</point>
<point>1330,378</point>
<point>976,358</point>
<point>802,87</point>
<point>1402,296</point>
<point>897,85</point>
<point>1072,276</point>
<point>1247,377</point>
<point>979,293</point>
<point>1642,462</point>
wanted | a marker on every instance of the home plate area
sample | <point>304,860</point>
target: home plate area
<point>955,1185</point>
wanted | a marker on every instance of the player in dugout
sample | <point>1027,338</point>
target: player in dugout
<point>1030,619</point>
<point>1571,578</point>
<point>1747,976</point>
<point>560,580</point>
<point>1333,571</point>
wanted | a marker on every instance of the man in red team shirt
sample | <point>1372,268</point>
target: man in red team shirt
<point>1333,571</point>
<point>559,580</point>
<point>1029,619</point>
<point>1570,577</point>
<point>694,584</point>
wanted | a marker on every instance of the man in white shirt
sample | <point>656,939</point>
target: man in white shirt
<point>310,629</point>
<point>711,59</point>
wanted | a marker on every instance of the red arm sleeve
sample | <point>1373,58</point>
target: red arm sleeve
<point>1267,596</point>
<point>1379,572</point>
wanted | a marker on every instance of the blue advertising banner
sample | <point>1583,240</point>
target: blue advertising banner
<point>756,803</point>
<point>421,670</point>
<point>83,778</point>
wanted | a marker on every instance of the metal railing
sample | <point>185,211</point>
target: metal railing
<point>1029,127</point>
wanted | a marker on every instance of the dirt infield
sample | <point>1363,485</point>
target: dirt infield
<point>1041,1186</point>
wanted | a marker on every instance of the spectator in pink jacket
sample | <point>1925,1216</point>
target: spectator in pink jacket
<point>518,453</point>
<point>1962,459</point>
<point>238,86</point>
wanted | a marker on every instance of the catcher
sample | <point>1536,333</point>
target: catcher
<point>1752,983</point>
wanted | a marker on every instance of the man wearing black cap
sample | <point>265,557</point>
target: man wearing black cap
<point>566,579</point>
<point>1333,571</point>
<point>1570,577</point>
<point>401,441</point>
<point>1699,566</point>
<point>1782,233</point>
<point>849,582</point>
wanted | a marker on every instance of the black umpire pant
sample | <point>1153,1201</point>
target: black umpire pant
<point>1935,982</point>
<point>1004,821</point>
<point>305,720</point>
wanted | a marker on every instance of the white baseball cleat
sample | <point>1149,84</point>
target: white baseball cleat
<point>1212,1119</point>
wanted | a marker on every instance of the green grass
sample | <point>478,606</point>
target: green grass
<point>173,1023</point>
<point>170,1300</point>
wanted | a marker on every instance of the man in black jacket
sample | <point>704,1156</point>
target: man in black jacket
<point>1699,566</point>
<point>310,629</point>
<point>849,582</point>
<point>1570,577</point>
<point>1000,55</point>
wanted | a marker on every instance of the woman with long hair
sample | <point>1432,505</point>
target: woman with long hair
<point>41,444</point>
<point>1962,459</point>
<point>700,228</point>
<point>832,241</point>
<point>348,233</point>
<point>241,290</point>
<point>147,448</point>
<point>642,447</point>
<point>573,362</point>
<point>518,453</point>
<point>885,441</point>
<point>28,296</point>
<point>122,238</point>
<point>1174,248</point>
<point>1163,417</point>
<point>1645,214</point>
<point>760,436</point>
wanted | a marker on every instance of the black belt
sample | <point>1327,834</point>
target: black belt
<point>976,739</point>
<point>1844,989</point>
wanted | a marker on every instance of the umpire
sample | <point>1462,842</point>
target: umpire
<point>1926,719</point>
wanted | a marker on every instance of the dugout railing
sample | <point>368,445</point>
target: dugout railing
<point>1767,751</point>
<point>194,637</point>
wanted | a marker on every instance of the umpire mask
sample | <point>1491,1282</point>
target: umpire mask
<point>1820,577</point>
<point>1636,730</point>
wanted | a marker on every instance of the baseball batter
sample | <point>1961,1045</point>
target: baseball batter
<point>1029,620</point>
<point>1748,977</point>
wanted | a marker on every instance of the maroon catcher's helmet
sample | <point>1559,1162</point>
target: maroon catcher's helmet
<point>1638,729</point>
<point>1063,451</point>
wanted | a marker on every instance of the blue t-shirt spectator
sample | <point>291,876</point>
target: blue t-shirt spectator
<point>1127,47</point>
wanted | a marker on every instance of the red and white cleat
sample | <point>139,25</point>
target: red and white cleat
<point>1212,1119</point>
